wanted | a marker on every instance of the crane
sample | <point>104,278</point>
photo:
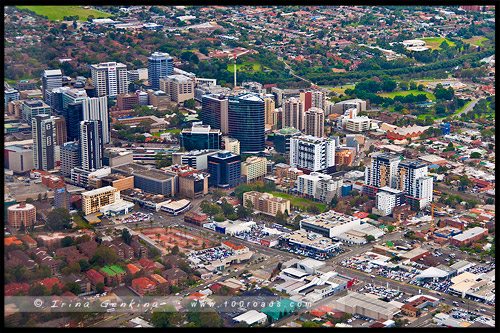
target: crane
<point>432,216</point>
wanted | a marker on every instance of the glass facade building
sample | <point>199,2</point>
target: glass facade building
<point>160,65</point>
<point>246,120</point>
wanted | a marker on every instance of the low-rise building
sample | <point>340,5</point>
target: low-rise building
<point>266,203</point>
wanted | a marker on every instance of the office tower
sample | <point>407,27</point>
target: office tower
<point>70,96</point>
<point>109,78</point>
<point>246,121</point>
<point>51,78</point>
<point>60,128</point>
<point>97,109</point>
<point>160,65</point>
<point>70,157</point>
<point>179,87</point>
<point>126,101</point>
<point>269,107</point>
<point>62,198</point>
<point>33,108</point>
<point>44,154</point>
<point>382,170</point>
<point>224,169</point>
<point>293,113</point>
<point>314,122</point>
<point>10,94</point>
<point>282,139</point>
<point>309,153</point>
<point>91,144</point>
<point>73,114</point>
<point>312,99</point>
<point>55,96</point>
<point>214,111</point>
<point>200,137</point>
<point>412,178</point>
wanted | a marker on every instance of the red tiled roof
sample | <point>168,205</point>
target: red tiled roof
<point>92,273</point>
<point>49,282</point>
<point>143,282</point>
<point>13,288</point>
<point>132,268</point>
<point>234,247</point>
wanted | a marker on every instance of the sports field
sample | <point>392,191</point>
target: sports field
<point>57,13</point>
<point>247,66</point>
<point>299,202</point>
<point>408,92</point>
<point>434,43</point>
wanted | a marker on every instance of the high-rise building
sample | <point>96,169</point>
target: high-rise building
<point>382,170</point>
<point>160,65</point>
<point>97,109</point>
<point>246,121</point>
<point>21,214</point>
<point>91,144</point>
<point>200,137</point>
<point>266,203</point>
<point>44,154</point>
<point>254,168</point>
<point>214,111</point>
<point>314,122</point>
<point>10,94</point>
<point>95,199</point>
<point>179,87</point>
<point>51,78</point>
<point>412,178</point>
<point>73,114</point>
<point>224,169</point>
<point>319,186</point>
<point>70,96</point>
<point>109,79</point>
<point>270,116</point>
<point>70,157</point>
<point>33,108</point>
<point>312,154</point>
<point>62,198</point>
<point>61,132</point>
<point>293,113</point>
<point>315,98</point>
<point>282,139</point>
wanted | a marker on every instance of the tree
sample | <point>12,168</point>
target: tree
<point>104,256</point>
<point>217,194</point>
<point>59,219</point>
<point>190,103</point>
<point>175,250</point>
<point>475,155</point>
<point>370,238</point>
<point>73,287</point>
<point>66,241</point>
<point>167,316</point>
<point>99,287</point>
<point>227,208</point>
<point>126,236</point>
<point>334,201</point>
<point>38,290</point>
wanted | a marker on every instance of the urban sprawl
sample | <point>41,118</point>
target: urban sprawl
<point>246,166</point>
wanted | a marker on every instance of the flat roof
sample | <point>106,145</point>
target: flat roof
<point>141,171</point>
<point>372,304</point>
<point>100,190</point>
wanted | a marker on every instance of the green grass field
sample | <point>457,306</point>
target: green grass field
<point>433,43</point>
<point>175,130</point>
<point>408,92</point>
<point>476,40</point>
<point>299,202</point>
<point>57,13</point>
<point>256,67</point>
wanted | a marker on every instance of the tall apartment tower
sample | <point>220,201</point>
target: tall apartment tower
<point>313,99</point>
<point>382,171</point>
<point>109,78</point>
<point>70,157</point>
<point>315,122</point>
<point>44,142</point>
<point>412,178</point>
<point>91,145</point>
<point>293,113</point>
<point>160,65</point>
<point>61,132</point>
<point>97,109</point>
<point>73,114</point>
<point>51,78</point>
<point>214,112</point>
<point>269,106</point>
<point>246,113</point>
<point>312,154</point>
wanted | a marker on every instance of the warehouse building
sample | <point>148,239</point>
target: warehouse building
<point>366,306</point>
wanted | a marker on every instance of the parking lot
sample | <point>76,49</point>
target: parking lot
<point>360,263</point>
<point>382,291</point>
<point>135,217</point>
